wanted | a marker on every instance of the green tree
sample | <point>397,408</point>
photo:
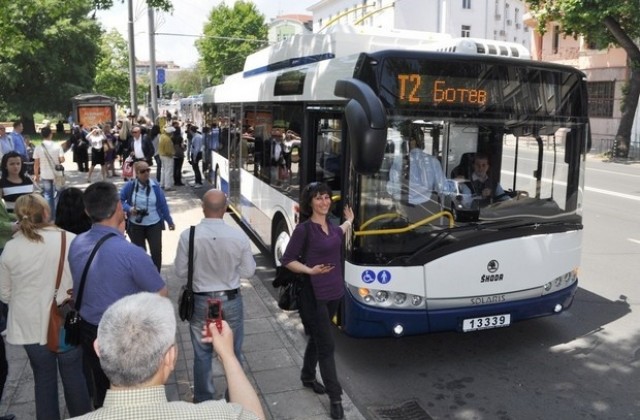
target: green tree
<point>603,23</point>
<point>112,71</point>
<point>47,55</point>
<point>164,5</point>
<point>230,35</point>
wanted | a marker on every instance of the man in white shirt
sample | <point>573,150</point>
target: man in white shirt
<point>140,147</point>
<point>46,156</point>
<point>221,257</point>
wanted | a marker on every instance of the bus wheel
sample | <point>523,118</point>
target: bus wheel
<point>280,241</point>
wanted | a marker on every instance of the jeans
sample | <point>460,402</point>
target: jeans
<point>177,170</point>
<point>232,311</point>
<point>99,383</point>
<point>141,234</point>
<point>45,365</point>
<point>156,158</point>
<point>4,366</point>
<point>49,194</point>
<point>320,350</point>
<point>195,164</point>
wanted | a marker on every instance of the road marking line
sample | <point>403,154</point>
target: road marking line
<point>635,241</point>
<point>615,194</point>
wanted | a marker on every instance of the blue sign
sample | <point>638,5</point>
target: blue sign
<point>384,277</point>
<point>160,76</point>
<point>368,276</point>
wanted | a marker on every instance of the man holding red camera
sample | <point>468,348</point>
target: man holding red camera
<point>221,257</point>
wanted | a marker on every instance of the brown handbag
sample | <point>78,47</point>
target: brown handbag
<point>56,320</point>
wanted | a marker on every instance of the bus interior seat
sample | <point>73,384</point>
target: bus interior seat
<point>465,168</point>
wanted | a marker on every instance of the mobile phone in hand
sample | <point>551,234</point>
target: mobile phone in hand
<point>214,314</point>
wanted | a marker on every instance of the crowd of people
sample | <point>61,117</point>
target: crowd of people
<point>94,240</point>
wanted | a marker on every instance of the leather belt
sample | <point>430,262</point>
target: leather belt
<point>231,294</point>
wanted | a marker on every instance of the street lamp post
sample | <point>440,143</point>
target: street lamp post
<point>132,63</point>
<point>153,108</point>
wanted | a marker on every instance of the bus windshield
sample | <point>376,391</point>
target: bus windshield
<point>462,160</point>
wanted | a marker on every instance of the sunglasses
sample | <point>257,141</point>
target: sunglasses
<point>144,171</point>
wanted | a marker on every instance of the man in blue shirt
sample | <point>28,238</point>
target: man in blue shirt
<point>19,144</point>
<point>195,155</point>
<point>118,269</point>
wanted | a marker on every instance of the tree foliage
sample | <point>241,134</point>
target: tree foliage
<point>164,5</point>
<point>603,23</point>
<point>186,82</point>
<point>112,71</point>
<point>47,54</point>
<point>230,35</point>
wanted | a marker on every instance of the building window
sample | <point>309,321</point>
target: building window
<point>601,97</point>
<point>466,31</point>
<point>466,4</point>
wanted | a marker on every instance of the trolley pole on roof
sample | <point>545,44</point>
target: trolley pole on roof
<point>132,63</point>
<point>153,82</point>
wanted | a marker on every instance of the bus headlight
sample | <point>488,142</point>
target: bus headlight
<point>387,298</point>
<point>560,282</point>
<point>382,296</point>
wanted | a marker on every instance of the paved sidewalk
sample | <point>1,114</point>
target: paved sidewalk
<point>273,346</point>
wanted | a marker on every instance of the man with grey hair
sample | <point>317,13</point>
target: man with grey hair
<point>137,349</point>
<point>222,256</point>
<point>119,268</point>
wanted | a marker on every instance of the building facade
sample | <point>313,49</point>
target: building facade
<point>607,74</point>
<point>490,19</point>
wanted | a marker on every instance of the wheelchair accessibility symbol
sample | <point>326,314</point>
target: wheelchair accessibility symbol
<point>369,276</point>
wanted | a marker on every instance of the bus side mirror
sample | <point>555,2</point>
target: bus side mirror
<point>367,123</point>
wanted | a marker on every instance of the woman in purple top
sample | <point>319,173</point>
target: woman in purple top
<point>323,265</point>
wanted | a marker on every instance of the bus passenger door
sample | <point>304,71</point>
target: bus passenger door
<point>325,152</point>
<point>235,156</point>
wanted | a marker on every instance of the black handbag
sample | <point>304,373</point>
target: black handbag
<point>289,294</point>
<point>73,318</point>
<point>291,283</point>
<point>186,299</point>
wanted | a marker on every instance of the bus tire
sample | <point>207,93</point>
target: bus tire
<point>281,238</point>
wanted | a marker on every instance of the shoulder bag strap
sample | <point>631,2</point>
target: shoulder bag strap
<point>192,234</point>
<point>63,251</point>
<point>49,158</point>
<point>86,268</point>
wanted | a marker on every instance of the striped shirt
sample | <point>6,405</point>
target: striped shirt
<point>11,191</point>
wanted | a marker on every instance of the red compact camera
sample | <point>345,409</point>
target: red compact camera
<point>214,314</point>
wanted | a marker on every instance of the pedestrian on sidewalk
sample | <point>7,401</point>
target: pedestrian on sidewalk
<point>146,206</point>
<point>45,158</point>
<point>195,155</point>
<point>118,269</point>
<point>14,182</point>
<point>28,272</point>
<point>178,154</point>
<point>166,151</point>
<point>8,227</point>
<point>221,257</point>
<point>321,295</point>
<point>138,352</point>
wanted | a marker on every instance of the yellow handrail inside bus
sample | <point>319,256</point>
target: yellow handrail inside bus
<point>405,229</point>
<point>379,217</point>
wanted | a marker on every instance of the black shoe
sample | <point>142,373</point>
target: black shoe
<point>317,387</point>
<point>337,412</point>
<point>8,417</point>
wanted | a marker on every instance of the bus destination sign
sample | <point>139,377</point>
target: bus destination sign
<point>415,89</point>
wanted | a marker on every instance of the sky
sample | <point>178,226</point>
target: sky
<point>185,24</point>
